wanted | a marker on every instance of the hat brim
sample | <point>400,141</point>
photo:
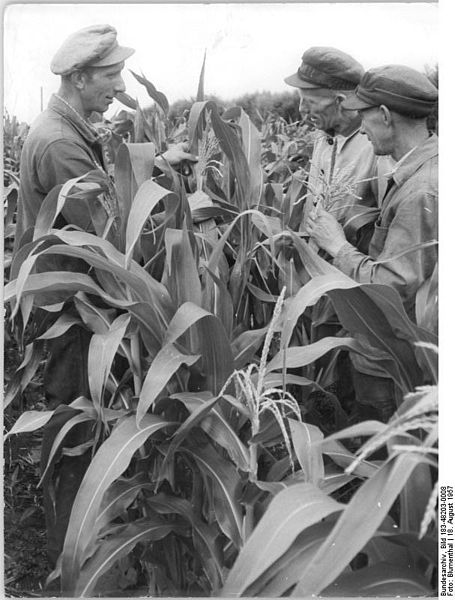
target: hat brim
<point>354,103</point>
<point>118,55</point>
<point>297,82</point>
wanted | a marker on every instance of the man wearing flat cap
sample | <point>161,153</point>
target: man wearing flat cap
<point>393,102</point>
<point>344,169</point>
<point>345,176</point>
<point>63,144</point>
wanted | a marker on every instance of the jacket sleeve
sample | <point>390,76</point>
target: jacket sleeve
<point>63,160</point>
<point>399,262</point>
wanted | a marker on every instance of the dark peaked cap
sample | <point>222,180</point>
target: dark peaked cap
<point>324,67</point>
<point>94,46</point>
<point>400,88</point>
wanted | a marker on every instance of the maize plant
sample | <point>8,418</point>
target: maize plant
<point>206,476</point>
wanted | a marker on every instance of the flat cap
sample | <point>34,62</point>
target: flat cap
<point>94,46</point>
<point>400,88</point>
<point>324,67</point>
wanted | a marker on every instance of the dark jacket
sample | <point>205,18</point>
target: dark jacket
<point>59,147</point>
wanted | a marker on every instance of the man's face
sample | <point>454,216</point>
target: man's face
<point>102,84</point>
<point>374,127</point>
<point>320,107</point>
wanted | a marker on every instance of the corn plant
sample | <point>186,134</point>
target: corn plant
<point>306,542</point>
<point>205,477</point>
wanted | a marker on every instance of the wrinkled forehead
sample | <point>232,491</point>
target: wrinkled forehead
<point>316,93</point>
<point>109,70</point>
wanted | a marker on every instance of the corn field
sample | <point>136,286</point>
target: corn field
<point>222,462</point>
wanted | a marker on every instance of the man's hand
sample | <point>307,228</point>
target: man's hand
<point>177,154</point>
<point>325,230</point>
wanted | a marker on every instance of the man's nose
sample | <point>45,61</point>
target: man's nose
<point>120,85</point>
<point>303,107</point>
<point>362,129</point>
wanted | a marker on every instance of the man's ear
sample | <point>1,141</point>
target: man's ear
<point>386,115</point>
<point>78,79</point>
<point>340,97</point>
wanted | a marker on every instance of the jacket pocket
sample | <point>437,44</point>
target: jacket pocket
<point>378,240</point>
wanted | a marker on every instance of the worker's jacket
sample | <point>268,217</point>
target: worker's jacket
<point>59,147</point>
<point>408,219</point>
<point>345,175</point>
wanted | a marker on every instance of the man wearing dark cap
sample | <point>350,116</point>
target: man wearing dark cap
<point>63,144</point>
<point>394,102</point>
<point>345,176</point>
<point>344,170</point>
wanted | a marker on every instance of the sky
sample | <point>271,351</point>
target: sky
<point>250,47</point>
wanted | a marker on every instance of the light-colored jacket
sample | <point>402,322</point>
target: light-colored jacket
<point>347,169</point>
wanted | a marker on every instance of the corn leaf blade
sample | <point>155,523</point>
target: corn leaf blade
<point>363,516</point>
<point>292,510</point>
<point>108,464</point>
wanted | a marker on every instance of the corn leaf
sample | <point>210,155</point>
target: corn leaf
<point>426,546</point>
<point>206,537</point>
<point>200,87</point>
<point>343,457</point>
<point>414,498</point>
<point>126,183</point>
<point>52,206</point>
<point>196,122</point>
<point>251,143</point>
<point>305,297</point>
<point>365,428</point>
<point>211,419</point>
<point>156,290</point>
<point>127,100</point>
<point>217,252</point>
<point>164,366</point>
<point>231,146</point>
<point>141,287</point>
<point>357,524</point>
<point>95,318</point>
<point>146,199</point>
<point>245,346</point>
<point>59,439</point>
<point>102,350</point>
<point>183,277</point>
<point>61,325</point>
<point>154,94</point>
<point>285,572</point>
<point>298,356</point>
<point>306,440</point>
<point>33,356</point>
<point>214,347</point>
<point>225,482</point>
<point>108,464</point>
<point>114,547</point>
<point>30,421</point>
<point>118,497</point>
<point>291,511</point>
<point>382,579</point>
<point>142,158</point>
<point>387,325</point>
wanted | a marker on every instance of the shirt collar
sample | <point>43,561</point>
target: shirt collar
<point>341,140</point>
<point>402,160</point>
<point>85,129</point>
<point>414,159</point>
